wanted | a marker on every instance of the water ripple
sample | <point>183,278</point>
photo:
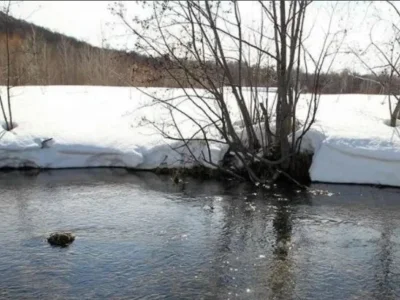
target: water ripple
<point>141,237</point>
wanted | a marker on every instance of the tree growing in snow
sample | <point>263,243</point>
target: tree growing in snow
<point>18,59</point>
<point>207,48</point>
<point>5,44</point>
<point>385,48</point>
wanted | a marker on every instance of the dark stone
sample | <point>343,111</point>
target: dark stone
<point>61,239</point>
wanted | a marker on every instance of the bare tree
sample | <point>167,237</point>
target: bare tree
<point>18,58</point>
<point>211,53</point>
<point>385,68</point>
<point>5,24</point>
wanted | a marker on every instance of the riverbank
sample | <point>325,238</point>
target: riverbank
<point>85,127</point>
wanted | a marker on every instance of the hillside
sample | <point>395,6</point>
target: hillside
<point>21,29</point>
<point>39,56</point>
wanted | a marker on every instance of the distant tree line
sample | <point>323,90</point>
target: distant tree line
<point>41,57</point>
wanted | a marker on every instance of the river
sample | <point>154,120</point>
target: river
<point>140,236</point>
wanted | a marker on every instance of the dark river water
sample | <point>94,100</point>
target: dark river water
<point>139,236</point>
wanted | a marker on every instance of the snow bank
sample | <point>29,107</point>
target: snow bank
<point>115,126</point>
<point>95,127</point>
<point>352,142</point>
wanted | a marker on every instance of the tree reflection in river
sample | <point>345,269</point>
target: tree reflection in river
<point>383,275</point>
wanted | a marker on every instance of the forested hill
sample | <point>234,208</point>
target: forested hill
<point>39,56</point>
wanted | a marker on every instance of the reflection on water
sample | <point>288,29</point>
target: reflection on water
<point>139,236</point>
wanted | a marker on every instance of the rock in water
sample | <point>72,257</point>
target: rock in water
<point>208,207</point>
<point>61,239</point>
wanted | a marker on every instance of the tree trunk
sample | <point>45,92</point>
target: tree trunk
<point>395,115</point>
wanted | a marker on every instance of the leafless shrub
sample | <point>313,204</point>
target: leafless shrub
<point>206,45</point>
<point>386,71</point>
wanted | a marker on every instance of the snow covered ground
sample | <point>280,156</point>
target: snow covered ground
<point>97,127</point>
<point>353,142</point>
<point>113,126</point>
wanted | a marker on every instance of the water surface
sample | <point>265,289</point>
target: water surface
<point>139,236</point>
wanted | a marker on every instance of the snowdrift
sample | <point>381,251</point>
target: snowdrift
<point>75,126</point>
<point>352,142</point>
<point>71,127</point>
